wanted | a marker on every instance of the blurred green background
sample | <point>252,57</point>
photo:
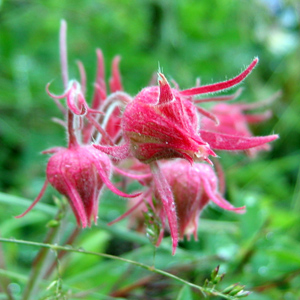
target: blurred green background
<point>212,40</point>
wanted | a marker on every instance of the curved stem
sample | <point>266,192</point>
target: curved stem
<point>65,78</point>
<point>208,290</point>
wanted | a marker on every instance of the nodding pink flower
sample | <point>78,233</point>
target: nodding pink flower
<point>193,187</point>
<point>79,172</point>
<point>162,122</point>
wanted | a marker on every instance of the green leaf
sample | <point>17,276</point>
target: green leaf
<point>185,293</point>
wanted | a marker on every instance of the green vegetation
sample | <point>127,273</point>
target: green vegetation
<point>211,40</point>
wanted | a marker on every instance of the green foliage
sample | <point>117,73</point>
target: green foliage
<point>188,38</point>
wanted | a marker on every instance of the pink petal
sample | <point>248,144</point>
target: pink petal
<point>167,199</point>
<point>220,98</point>
<point>165,91</point>
<point>221,141</point>
<point>220,85</point>
<point>37,199</point>
<point>117,152</point>
<point>76,203</point>
<point>217,199</point>
<point>115,82</point>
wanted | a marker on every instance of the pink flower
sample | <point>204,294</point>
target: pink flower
<point>193,187</point>
<point>162,123</point>
<point>79,172</point>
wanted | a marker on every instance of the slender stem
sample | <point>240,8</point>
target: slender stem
<point>13,276</point>
<point>61,254</point>
<point>72,140</point>
<point>38,269</point>
<point>65,78</point>
<point>63,52</point>
<point>208,290</point>
<point>4,282</point>
<point>124,290</point>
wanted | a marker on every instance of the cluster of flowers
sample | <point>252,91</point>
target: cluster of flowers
<point>163,135</point>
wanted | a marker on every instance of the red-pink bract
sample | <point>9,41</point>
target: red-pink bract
<point>234,121</point>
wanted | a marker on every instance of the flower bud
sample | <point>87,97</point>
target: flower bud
<point>160,123</point>
<point>73,173</point>
<point>193,187</point>
<point>79,173</point>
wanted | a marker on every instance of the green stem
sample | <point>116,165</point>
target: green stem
<point>13,275</point>
<point>37,271</point>
<point>4,282</point>
<point>39,264</point>
<point>207,290</point>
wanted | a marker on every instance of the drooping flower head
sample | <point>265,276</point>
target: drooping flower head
<point>160,123</point>
<point>164,123</point>
<point>193,187</point>
<point>79,172</point>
